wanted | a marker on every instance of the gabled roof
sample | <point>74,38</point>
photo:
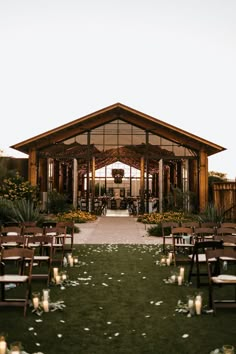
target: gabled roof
<point>52,139</point>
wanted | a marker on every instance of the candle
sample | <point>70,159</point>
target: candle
<point>46,305</point>
<point>3,345</point>
<point>35,302</point>
<point>180,280</point>
<point>199,297</point>
<point>163,260</point>
<point>170,256</point>
<point>58,279</point>
<point>168,261</point>
<point>181,272</point>
<point>46,294</point>
<point>63,276</point>
<point>76,260</point>
<point>191,305</point>
<point>71,261</point>
<point>198,306</point>
<point>55,272</point>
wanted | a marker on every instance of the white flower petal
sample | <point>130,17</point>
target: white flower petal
<point>185,335</point>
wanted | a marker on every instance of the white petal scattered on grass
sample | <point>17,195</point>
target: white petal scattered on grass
<point>38,344</point>
<point>144,334</point>
<point>158,303</point>
<point>151,302</point>
<point>109,322</point>
<point>59,335</point>
<point>86,329</point>
<point>63,288</point>
<point>35,334</point>
<point>185,335</point>
<point>118,280</point>
<point>39,320</point>
<point>144,278</point>
<point>104,284</point>
<point>31,328</point>
<point>100,308</point>
<point>62,321</point>
<point>147,316</point>
<point>117,334</point>
<point>110,278</point>
<point>122,273</point>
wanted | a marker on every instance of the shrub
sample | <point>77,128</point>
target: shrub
<point>16,187</point>
<point>57,203</point>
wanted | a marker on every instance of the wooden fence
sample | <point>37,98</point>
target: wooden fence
<point>224,197</point>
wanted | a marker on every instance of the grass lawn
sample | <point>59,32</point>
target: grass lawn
<point>121,305</point>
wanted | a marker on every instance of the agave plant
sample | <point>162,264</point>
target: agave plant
<point>25,210</point>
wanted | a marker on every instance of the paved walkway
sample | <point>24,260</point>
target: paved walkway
<point>114,229</point>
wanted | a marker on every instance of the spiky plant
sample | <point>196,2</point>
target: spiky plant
<point>25,210</point>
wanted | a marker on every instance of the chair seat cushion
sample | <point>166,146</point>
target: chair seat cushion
<point>12,278</point>
<point>224,278</point>
<point>201,257</point>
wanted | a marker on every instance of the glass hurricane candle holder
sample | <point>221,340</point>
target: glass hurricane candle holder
<point>191,304</point>
<point>35,299</point>
<point>228,349</point>
<point>15,348</point>
<point>46,293</point>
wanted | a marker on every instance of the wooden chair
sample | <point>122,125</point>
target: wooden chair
<point>232,225</point>
<point>204,233</point>
<point>182,241</point>
<point>43,247</point>
<point>228,240</point>
<point>58,235</point>
<point>221,231</point>
<point>198,258</point>
<point>166,232</point>
<point>209,224</point>
<point>217,282</point>
<point>192,224</point>
<point>12,241</point>
<point>11,231</point>
<point>69,225</point>
<point>20,275</point>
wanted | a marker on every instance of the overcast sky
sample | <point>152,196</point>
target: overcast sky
<point>172,59</point>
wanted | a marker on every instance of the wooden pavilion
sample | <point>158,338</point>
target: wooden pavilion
<point>168,158</point>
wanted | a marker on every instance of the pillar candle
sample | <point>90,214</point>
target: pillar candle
<point>3,346</point>
<point>198,306</point>
<point>55,272</point>
<point>180,280</point>
<point>46,305</point>
<point>181,272</point>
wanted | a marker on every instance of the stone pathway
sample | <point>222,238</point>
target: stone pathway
<point>114,230</point>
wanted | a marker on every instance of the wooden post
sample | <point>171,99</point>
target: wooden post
<point>32,167</point>
<point>75,183</point>
<point>160,180</point>
<point>203,181</point>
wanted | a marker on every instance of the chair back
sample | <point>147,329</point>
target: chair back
<point>221,253</point>
<point>33,230</point>
<point>12,241</point>
<point>228,224</point>
<point>204,232</point>
<point>225,231</point>
<point>11,231</point>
